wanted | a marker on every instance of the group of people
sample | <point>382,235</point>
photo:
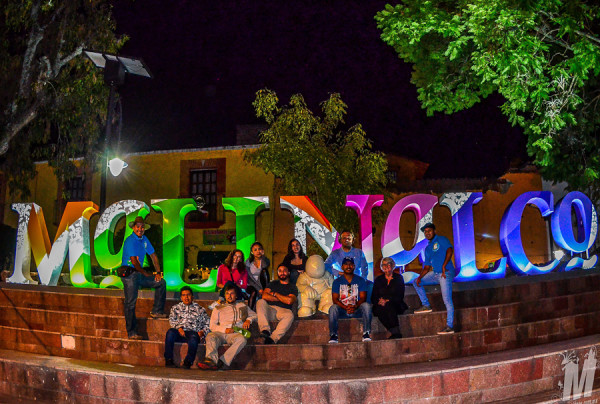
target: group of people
<point>248,295</point>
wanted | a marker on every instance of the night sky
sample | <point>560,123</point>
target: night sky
<point>209,58</point>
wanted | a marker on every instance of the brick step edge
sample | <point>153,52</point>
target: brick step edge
<point>490,378</point>
<point>583,281</point>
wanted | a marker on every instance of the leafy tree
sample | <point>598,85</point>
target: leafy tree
<point>542,56</point>
<point>53,102</point>
<point>315,156</point>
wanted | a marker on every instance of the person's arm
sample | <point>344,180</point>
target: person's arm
<point>268,295</point>
<point>174,317</point>
<point>449,252</point>
<point>202,323</point>
<point>138,267</point>
<point>220,275</point>
<point>364,267</point>
<point>158,275</point>
<point>335,297</point>
<point>329,263</point>
<point>251,318</point>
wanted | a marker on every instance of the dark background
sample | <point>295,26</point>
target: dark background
<point>209,58</point>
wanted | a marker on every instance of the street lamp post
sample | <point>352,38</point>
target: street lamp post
<point>115,67</point>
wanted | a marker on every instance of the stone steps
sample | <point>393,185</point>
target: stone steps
<point>314,330</point>
<point>312,356</point>
<point>91,326</point>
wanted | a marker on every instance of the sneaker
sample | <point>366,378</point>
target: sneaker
<point>268,340</point>
<point>423,309</point>
<point>447,330</point>
<point>186,365</point>
<point>265,333</point>
<point>395,336</point>
<point>169,363</point>
<point>333,339</point>
<point>222,366</point>
<point>207,364</point>
<point>158,315</point>
<point>366,337</point>
<point>137,337</point>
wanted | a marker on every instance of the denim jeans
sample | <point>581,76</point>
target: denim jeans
<point>131,285</point>
<point>192,339</point>
<point>434,278</point>
<point>363,311</point>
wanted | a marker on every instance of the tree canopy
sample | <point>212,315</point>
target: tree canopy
<point>316,155</point>
<point>542,56</point>
<point>53,101</point>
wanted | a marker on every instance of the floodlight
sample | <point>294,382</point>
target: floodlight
<point>116,166</point>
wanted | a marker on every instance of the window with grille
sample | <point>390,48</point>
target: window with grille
<point>75,189</point>
<point>204,183</point>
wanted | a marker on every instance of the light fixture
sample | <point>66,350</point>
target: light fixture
<point>116,166</point>
<point>115,68</point>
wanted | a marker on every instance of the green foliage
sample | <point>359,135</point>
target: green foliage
<point>53,101</point>
<point>542,56</point>
<point>315,156</point>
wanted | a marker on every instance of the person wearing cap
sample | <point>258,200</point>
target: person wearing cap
<point>388,297</point>
<point>437,269</point>
<point>349,295</point>
<point>333,263</point>
<point>134,276</point>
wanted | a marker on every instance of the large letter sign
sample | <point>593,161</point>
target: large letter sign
<point>307,217</point>
<point>587,228</point>
<point>32,236</point>
<point>391,245</point>
<point>510,232</point>
<point>461,207</point>
<point>174,212</point>
<point>72,235</point>
<point>363,205</point>
<point>245,210</point>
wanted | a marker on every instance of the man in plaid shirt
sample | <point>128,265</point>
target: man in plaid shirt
<point>190,324</point>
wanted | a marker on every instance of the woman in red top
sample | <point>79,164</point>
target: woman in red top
<point>233,270</point>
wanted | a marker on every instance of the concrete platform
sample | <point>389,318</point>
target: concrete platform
<point>533,372</point>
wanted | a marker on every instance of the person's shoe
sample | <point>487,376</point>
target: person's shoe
<point>447,330</point>
<point>395,336</point>
<point>333,339</point>
<point>366,337</point>
<point>423,309</point>
<point>169,363</point>
<point>265,333</point>
<point>207,364</point>
<point>222,366</point>
<point>268,340</point>
<point>158,315</point>
<point>186,365</point>
<point>136,337</point>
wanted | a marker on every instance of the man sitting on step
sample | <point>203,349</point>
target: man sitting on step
<point>189,323</point>
<point>229,324</point>
<point>349,293</point>
<point>278,297</point>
